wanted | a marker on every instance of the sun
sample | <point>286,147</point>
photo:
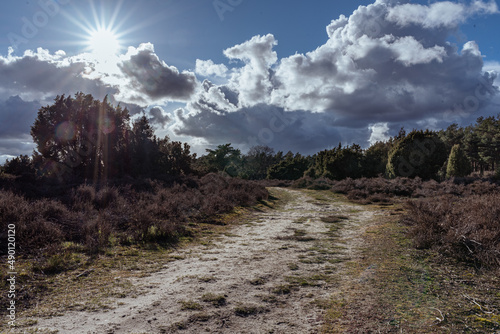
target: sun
<point>103,44</point>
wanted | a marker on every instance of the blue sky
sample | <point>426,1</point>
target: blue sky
<point>298,76</point>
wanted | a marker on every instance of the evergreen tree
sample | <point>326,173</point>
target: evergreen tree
<point>81,137</point>
<point>375,160</point>
<point>458,163</point>
<point>292,167</point>
<point>419,154</point>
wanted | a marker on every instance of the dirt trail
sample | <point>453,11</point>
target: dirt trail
<point>273,274</point>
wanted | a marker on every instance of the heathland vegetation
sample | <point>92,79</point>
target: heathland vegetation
<point>97,180</point>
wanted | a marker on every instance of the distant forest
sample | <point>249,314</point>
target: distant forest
<point>80,138</point>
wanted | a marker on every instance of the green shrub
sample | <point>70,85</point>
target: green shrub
<point>458,163</point>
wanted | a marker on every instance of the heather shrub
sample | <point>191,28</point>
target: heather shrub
<point>466,228</point>
<point>97,232</point>
<point>314,184</point>
<point>369,190</point>
<point>106,197</point>
<point>38,224</point>
<point>344,186</point>
<point>83,198</point>
<point>139,211</point>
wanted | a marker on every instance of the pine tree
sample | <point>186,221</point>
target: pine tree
<point>458,163</point>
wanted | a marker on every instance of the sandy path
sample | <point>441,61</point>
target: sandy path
<point>270,275</point>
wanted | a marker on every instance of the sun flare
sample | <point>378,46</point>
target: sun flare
<point>104,44</point>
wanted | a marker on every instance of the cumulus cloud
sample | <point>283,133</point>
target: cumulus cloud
<point>40,75</point>
<point>388,63</point>
<point>379,133</point>
<point>208,68</point>
<point>253,81</point>
<point>158,116</point>
<point>151,79</point>
<point>444,14</point>
<point>398,73</point>
<point>262,124</point>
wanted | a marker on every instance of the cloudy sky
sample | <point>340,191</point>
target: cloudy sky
<point>299,76</point>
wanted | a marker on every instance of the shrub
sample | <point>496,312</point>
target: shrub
<point>140,211</point>
<point>105,197</point>
<point>465,228</point>
<point>310,183</point>
<point>83,198</point>
<point>419,154</point>
<point>458,163</point>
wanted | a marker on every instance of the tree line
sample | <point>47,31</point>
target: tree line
<point>83,138</point>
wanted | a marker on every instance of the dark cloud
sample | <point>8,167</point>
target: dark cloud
<point>17,117</point>
<point>261,124</point>
<point>132,108</point>
<point>10,148</point>
<point>377,68</point>
<point>149,78</point>
<point>158,116</point>
<point>389,64</point>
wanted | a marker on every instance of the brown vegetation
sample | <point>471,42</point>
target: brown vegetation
<point>459,217</point>
<point>466,228</point>
<point>144,211</point>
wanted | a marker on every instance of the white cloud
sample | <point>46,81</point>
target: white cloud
<point>379,132</point>
<point>443,14</point>
<point>373,68</point>
<point>40,76</point>
<point>388,63</point>
<point>208,68</point>
<point>253,80</point>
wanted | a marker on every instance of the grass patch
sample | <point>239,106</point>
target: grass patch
<point>333,219</point>
<point>207,279</point>
<point>298,235</point>
<point>303,281</point>
<point>245,310</point>
<point>429,293</point>
<point>199,317</point>
<point>190,305</point>
<point>214,299</point>
<point>282,289</point>
<point>258,281</point>
<point>271,299</point>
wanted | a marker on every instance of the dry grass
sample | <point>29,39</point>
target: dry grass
<point>395,288</point>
